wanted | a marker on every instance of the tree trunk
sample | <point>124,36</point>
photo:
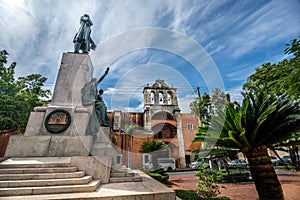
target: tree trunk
<point>297,156</point>
<point>263,174</point>
<point>293,156</point>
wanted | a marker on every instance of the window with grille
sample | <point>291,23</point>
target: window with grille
<point>190,126</point>
<point>119,159</point>
<point>146,158</point>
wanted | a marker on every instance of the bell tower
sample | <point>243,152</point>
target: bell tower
<point>162,116</point>
<point>159,97</point>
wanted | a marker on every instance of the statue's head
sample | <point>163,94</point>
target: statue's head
<point>85,17</point>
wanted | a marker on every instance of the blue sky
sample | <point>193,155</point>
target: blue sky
<point>186,43</point>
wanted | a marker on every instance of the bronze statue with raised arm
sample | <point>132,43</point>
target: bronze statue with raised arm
<point>91,96</point>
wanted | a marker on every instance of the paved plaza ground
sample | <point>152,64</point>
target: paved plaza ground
<point>290,182</point>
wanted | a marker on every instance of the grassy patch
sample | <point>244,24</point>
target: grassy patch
<point>287,167</point>
<point>192,195</point>
<point>235,175</point>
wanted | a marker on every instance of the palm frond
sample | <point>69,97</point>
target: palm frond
<point>262,119</point>
<point>152,146</point>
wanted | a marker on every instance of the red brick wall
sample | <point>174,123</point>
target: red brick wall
<point>123,141</point>
<point>189,135</point>
<point>4,138</point>
<point>136,160</point>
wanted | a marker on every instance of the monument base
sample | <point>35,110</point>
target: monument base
<point>102,145</point>
<point>79,117</point>
<point>49,145</point>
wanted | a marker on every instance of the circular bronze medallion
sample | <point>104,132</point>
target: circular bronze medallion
<point>58,121</point>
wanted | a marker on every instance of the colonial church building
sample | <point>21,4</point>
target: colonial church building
<point>160,121</point>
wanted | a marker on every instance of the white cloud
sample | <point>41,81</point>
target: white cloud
<point>263,28</point>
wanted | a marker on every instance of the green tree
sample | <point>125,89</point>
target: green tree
<point>219,100</point>
<point>283,77</point>
<point>153,147</point>
<point>205,106</point>
<point>201,108</point>
<point>18,97</point>
<point>252,127</point>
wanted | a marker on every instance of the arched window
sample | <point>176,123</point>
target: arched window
<point>159,135</point>
<point>161,98</point>
<point>169,98</point>
<point>162,115</point>
<point>152,100</point>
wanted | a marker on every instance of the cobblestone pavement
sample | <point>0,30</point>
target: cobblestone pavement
<point>290,182</point>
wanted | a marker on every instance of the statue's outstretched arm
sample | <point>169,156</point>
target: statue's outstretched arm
<point>102,77</point>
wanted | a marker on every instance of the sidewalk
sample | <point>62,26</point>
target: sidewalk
<point>290,182</point>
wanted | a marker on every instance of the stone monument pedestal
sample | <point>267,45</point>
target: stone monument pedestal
<point>60,128</point>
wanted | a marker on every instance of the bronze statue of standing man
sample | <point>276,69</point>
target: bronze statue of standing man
<point>82,40</point>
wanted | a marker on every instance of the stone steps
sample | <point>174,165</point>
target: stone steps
<point>41,176</point>
<point>37,170</point>
<point>125,179</point>
<point>29,177</point>
<point>36,165</point>
<point>123,175</point>
<point>117,174</point>
<point>89,187</point>
<point>45,182</point>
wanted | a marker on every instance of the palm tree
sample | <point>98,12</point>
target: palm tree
<point>153,147</point>
<point>259,122</point>
<point>130,128</point>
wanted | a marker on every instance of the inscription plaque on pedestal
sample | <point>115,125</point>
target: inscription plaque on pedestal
<point>58,121</point>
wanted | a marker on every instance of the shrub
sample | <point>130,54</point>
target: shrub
<point>192,195</point>
<point>187,195</point>
<point>234,176</point>
<point>159,175</point>
<point>207,186</point>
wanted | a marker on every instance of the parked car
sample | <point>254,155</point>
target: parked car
<point>274,160</point>
<point>167,164</point>
<point>238,163</point>
<point>195,164</point>
<point>286,159</point>
<point>148,166</point>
